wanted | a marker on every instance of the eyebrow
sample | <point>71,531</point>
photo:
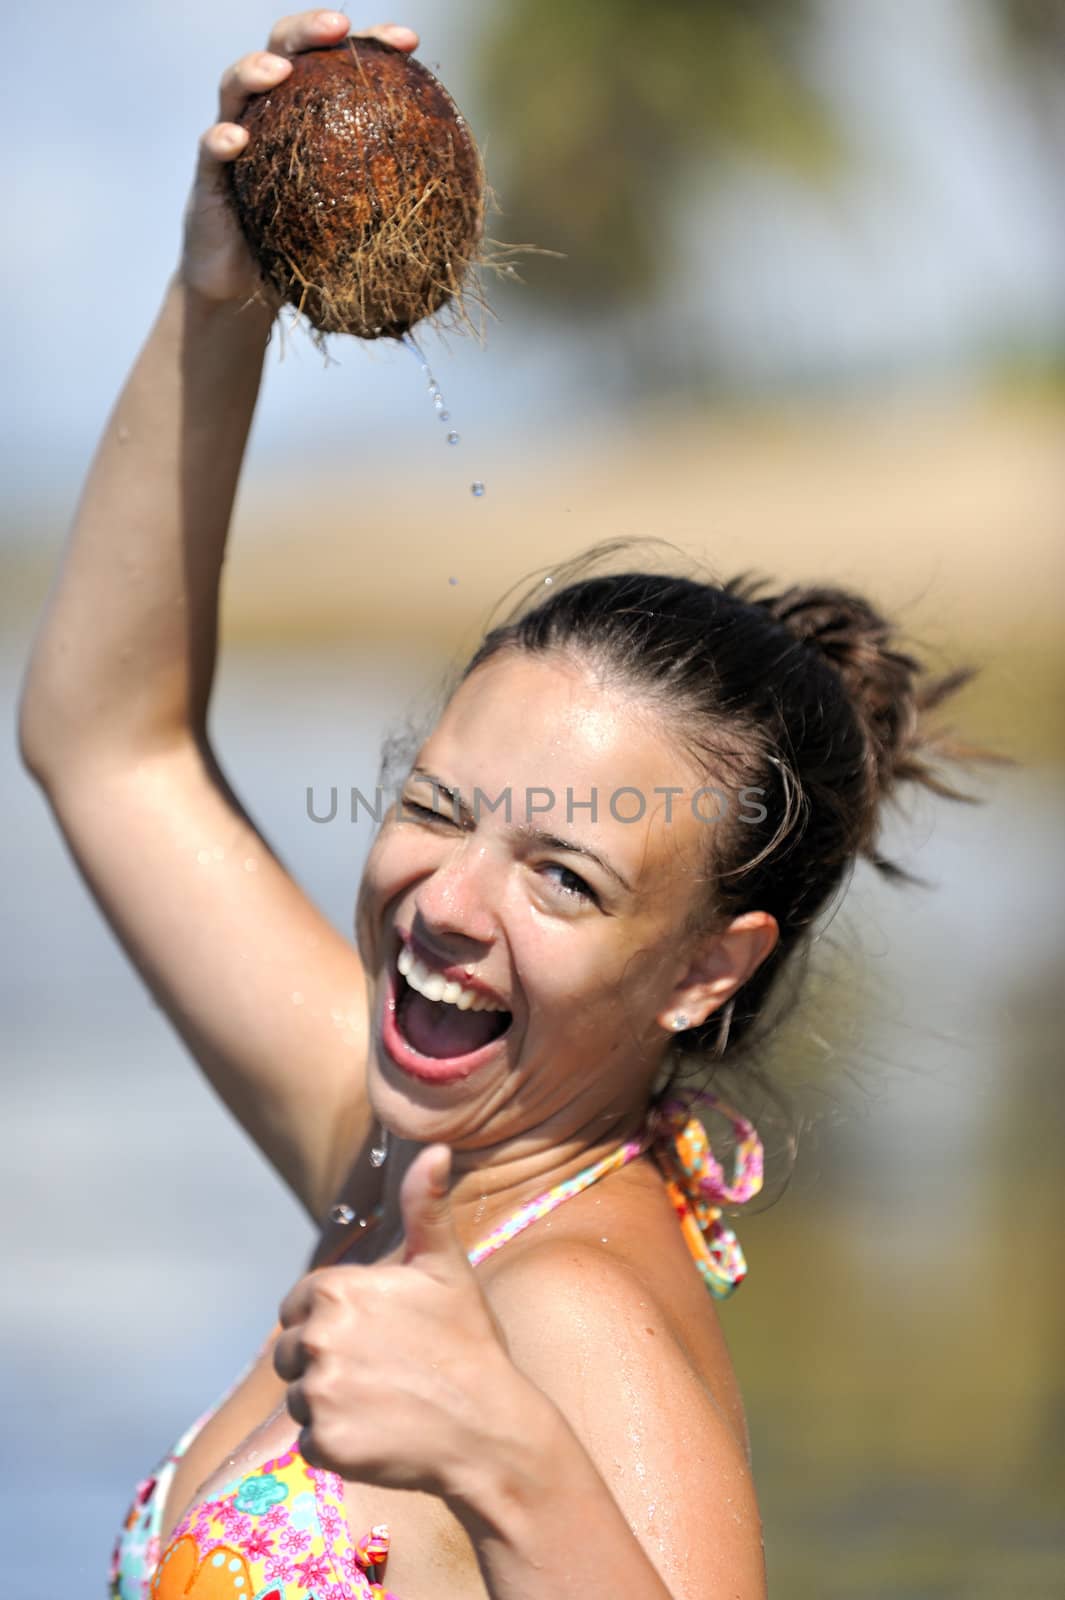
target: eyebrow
<point>461,814</point>
<point>552,841</point>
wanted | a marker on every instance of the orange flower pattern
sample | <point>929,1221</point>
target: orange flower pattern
<point>280,1532</point>
<point>277,1533</point>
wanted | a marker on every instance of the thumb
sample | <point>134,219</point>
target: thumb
<point>425,1206</point>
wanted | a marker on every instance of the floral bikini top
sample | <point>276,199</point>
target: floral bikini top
<point>279,1532</point>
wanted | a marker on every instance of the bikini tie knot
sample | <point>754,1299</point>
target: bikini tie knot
<point>697,1187</point>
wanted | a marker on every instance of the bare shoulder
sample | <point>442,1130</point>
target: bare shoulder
<point>571,1298</point>
<point>543,1286</point>
<point>589,1330</point>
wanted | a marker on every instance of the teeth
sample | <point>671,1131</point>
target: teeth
<point>430,984</point>
<point>434,986</point>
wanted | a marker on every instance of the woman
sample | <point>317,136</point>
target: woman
<point>637,801</point>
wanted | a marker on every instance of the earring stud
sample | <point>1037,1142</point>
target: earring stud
<point>679,1022</point>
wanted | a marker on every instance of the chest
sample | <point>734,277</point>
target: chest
<point>429,1551</point>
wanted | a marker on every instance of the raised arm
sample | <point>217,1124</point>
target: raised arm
<point>113,716</point>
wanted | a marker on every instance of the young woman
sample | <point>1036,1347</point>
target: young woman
<point>504,1374</point>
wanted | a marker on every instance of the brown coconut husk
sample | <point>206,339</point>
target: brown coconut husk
<point>361,193</point>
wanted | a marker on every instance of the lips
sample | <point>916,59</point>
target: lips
<point>435,1039</point>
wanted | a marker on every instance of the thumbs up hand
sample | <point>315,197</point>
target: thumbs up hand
<point>389,1367</point>
<point>430,1240</point>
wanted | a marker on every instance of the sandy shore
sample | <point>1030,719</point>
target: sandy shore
<point>950,516</point>
<point>954,517</point>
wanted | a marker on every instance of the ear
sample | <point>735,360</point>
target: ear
<point>720,964</point>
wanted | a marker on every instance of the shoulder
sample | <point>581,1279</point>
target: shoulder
<point>587,1329</point>
<point>581,1320</point>
<point>554,1278</point>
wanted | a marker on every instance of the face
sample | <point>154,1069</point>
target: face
<point>523,969</point>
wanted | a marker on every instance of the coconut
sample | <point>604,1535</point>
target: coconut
<point>361,191</point>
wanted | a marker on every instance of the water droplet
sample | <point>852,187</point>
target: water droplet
<point>378,1154</point>
<point>342,1214</point>
<point>549,580</point>
<point>477,490</point>
<point>436,395</point>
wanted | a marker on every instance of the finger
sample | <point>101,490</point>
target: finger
<point>291,1355</point>
<point>253,74</point>
<point>296,1306</point>
<point>393,33</point>
<point>219,145</point>
<point>308,30</point>
<point>298,1407</point>
<point>425,1206</point>
<point>307,1445</point>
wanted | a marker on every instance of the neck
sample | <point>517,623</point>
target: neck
<point>489,1183</point>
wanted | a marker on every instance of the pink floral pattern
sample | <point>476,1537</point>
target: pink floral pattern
<point>297,1543</point>
<point>284,1523</point>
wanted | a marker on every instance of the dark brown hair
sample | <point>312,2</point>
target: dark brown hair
<point>803,693</point>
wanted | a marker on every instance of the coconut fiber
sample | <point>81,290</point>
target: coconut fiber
<point>361,191</point>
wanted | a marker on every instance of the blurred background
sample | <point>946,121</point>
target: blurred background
<point>809,317</point>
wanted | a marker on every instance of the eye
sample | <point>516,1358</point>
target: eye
<point>568,883</point>
<point>416,812</point>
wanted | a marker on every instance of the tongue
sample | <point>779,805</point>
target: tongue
<point>435,1029</point>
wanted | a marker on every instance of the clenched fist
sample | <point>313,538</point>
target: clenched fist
<point>398,1373</point>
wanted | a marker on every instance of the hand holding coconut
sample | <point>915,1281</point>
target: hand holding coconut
<point>341,179</point>
<point>217,262</point>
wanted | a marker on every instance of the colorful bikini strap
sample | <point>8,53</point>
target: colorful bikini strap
<point>696,1184</point>
<point>533,1210</point>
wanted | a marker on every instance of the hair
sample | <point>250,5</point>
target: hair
<point>804,693</point>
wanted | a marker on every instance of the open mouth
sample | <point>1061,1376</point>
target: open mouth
<point>438,1025</point>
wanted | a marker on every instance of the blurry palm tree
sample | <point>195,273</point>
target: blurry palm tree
<point>606,114</point>
<point>1037,26</point>
<point>1032,33</point>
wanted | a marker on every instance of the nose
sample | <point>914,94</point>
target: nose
<point>456,907</point>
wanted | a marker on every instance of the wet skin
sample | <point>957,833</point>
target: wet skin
<point>589,956</point>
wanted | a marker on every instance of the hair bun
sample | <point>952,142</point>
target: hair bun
<point>801,695</point>
<point>889,689</point>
